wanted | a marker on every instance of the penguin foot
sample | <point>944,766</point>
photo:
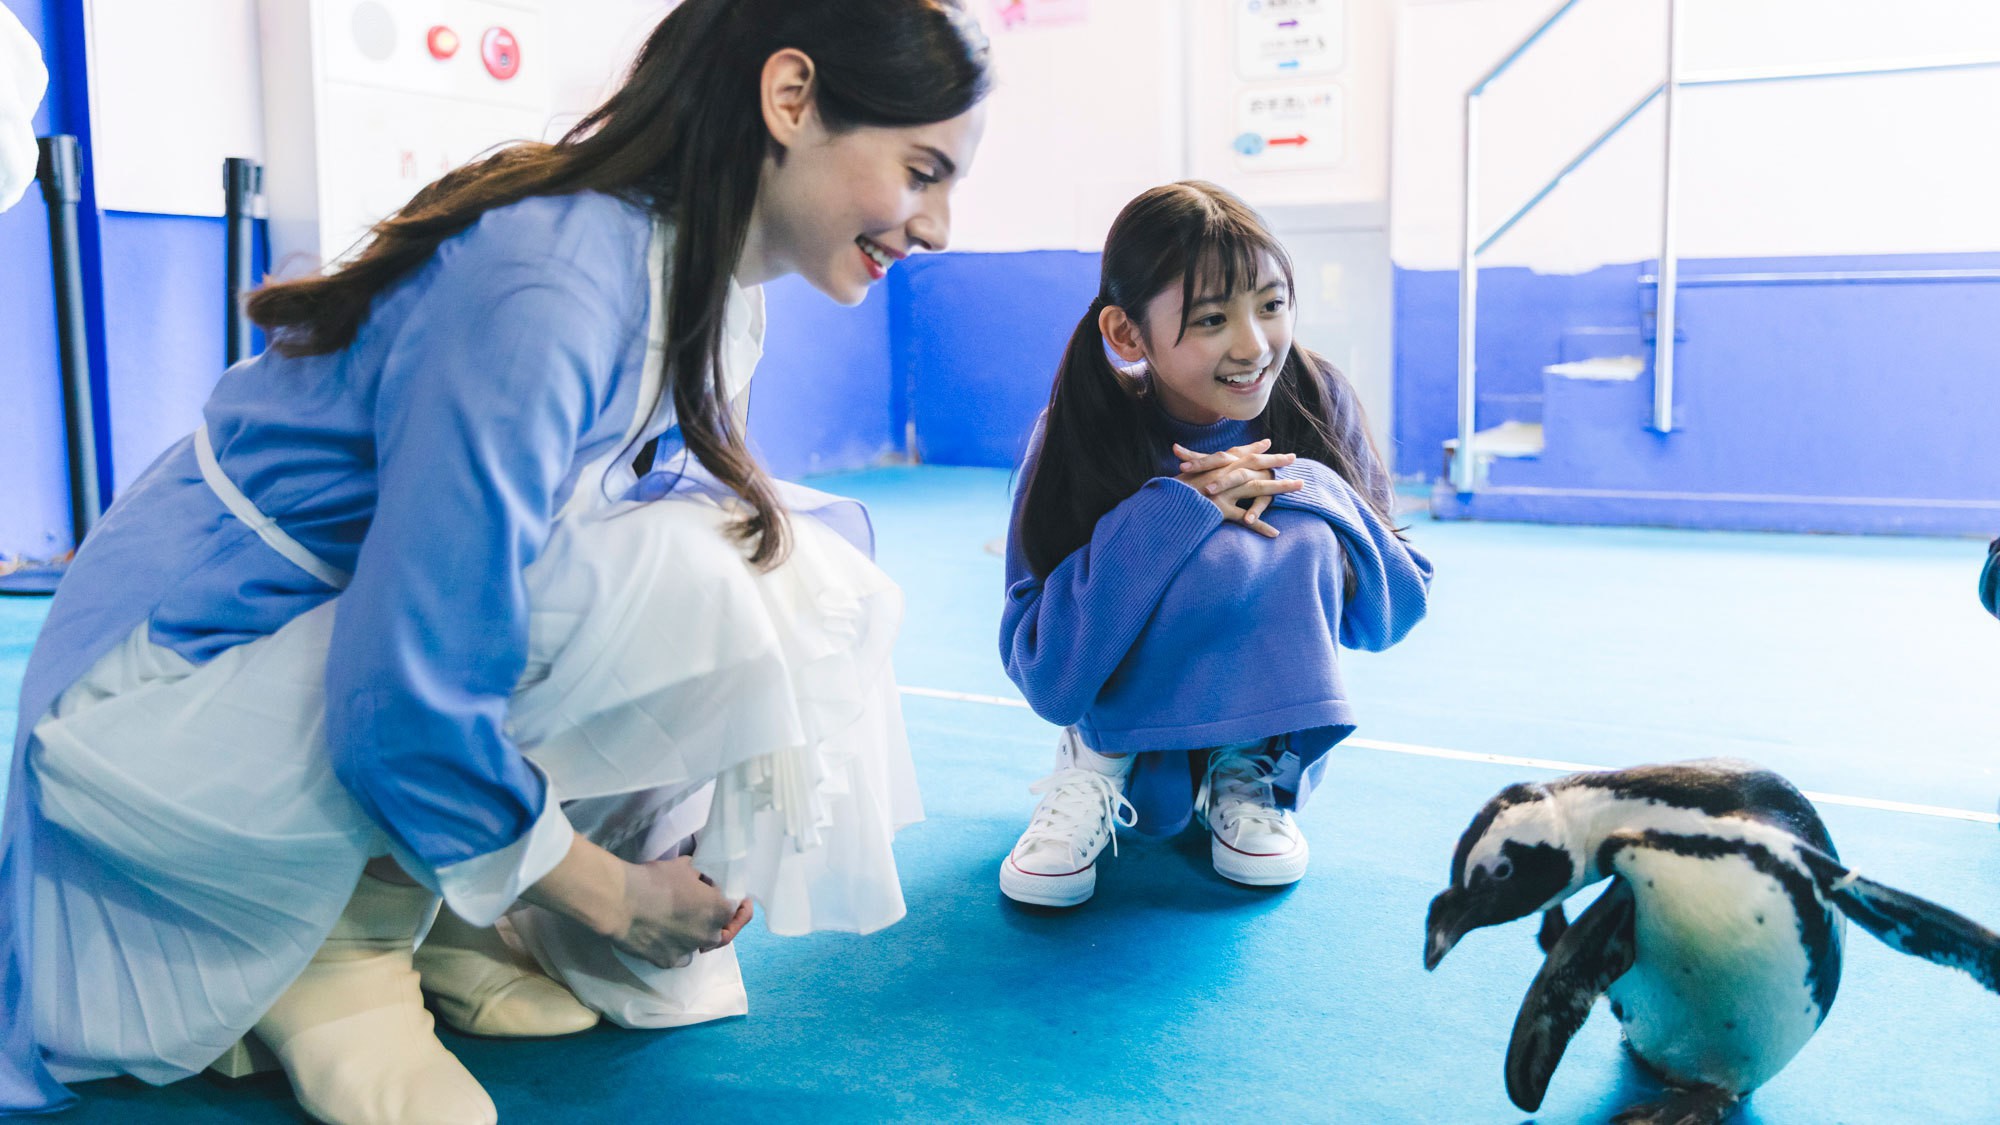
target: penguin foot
<point>1695,1105</point>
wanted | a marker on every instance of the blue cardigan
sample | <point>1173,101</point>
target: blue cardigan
<point>428,457</point>
<point>1171,632</point>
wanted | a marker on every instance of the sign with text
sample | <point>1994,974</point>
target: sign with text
<point>1290,38</point>
<point>1289,128</point>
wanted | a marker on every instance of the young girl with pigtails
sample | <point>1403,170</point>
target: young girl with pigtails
<point>1201,526</point>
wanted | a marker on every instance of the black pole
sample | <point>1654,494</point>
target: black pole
<point>242,182</point>
<point>61,174</point>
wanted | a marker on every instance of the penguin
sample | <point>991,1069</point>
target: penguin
<point>1718,939</point>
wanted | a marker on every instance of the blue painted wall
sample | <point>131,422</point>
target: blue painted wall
<point>979,341</point>
<point>1857,406</point>
<point>1523,317</point>
<point>34,514</point>
<point>822,400</point>
<point>163,312</point>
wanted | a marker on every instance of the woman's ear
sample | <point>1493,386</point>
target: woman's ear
<point>787,91</point>
<point>1122,333</point>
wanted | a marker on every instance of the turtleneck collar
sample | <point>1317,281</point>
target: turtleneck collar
<point>1223,434</point>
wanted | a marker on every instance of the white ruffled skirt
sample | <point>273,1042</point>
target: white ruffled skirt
<point>198,847</point>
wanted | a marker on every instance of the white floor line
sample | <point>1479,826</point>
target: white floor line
<point>1525,763</point>
<point>964,697</point>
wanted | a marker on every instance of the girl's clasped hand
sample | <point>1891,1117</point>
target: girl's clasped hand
<point>1240,481</point>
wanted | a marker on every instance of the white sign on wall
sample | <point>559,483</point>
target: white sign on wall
<point>1290,38</point>
<point>1289,128</point>
<point>173,91</point>
<point>366,101</point>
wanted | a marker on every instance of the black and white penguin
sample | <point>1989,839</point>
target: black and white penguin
<point>1718,941</point>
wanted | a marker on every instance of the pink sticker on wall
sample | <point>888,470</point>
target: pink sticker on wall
<point>1040,13</point>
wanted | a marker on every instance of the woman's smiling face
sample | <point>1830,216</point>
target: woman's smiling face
<point>841,208</point>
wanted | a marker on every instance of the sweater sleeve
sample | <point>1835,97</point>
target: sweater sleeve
<point>485,391</point>
<point>1391,578</point>
<point>1062,636</point>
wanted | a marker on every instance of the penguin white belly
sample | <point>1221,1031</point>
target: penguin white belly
<point>1719,991</point>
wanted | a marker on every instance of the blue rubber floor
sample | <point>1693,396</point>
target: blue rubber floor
<point>1860,668</point>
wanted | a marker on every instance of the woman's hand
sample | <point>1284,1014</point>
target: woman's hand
<point>663,912</point>
<point>675,912</point>
<point>1239,481</point>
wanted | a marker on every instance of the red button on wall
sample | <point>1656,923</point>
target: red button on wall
<point>501,52</point>
<point>442,41</point>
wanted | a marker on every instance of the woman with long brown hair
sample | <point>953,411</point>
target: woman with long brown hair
<point>469,588</point>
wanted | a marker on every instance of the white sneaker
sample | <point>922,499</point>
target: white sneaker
<point>1055,861</point>
<point>1253,841</point>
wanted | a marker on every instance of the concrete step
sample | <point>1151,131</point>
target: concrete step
<point>1611,368</point>
<point>1508,439</point>
<point>1511,441</point>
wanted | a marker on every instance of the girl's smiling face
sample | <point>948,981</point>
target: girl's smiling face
<point>1226,362</point>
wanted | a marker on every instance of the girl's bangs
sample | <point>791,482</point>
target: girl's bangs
<point>1225,256</point>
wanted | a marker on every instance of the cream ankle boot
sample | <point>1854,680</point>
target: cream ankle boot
<point>352,1032</point>
<point>483,986</point>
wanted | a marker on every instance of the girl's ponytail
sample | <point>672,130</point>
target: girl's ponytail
<point>1096,440</point>
<point>1316,412</point>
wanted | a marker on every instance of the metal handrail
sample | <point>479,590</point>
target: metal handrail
<point>1575,162</point>
<point>1825,277</point>
<point>1521,48</point>
<point>1743,77</point>
<point>1666,297</point>
<point>1464,464</point>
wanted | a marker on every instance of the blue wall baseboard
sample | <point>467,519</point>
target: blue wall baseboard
<point>1833,402</point>
<point>1722,511</point>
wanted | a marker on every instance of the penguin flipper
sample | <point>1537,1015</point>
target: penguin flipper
<point>1592,953</point>
<point>1554,924</point>
<point>1904,922</point>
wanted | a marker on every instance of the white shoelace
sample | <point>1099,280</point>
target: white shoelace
<point>1237,788</point>
<point>1076,799</point>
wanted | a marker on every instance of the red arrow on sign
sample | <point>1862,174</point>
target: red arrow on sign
<point>1298,140</point>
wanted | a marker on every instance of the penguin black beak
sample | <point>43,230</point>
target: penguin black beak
<point>1454,913</point>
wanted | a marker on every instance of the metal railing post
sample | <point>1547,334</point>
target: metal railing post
<point>242,182</point>
<point>61,172</point>
<point>1664,315</point>
<point>1464,469</point>
<point>1463,466</point>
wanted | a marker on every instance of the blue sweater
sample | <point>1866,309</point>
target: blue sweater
<point>428,457</point>
<point>1171,632</point>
